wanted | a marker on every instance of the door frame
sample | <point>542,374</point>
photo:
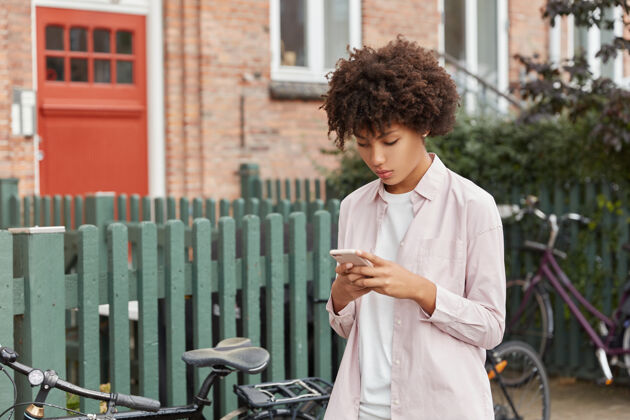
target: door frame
<point>152,9</point>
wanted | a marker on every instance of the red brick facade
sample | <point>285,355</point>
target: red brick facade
<point>218,109</point>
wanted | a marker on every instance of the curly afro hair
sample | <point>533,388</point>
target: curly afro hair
<point>399,83</point>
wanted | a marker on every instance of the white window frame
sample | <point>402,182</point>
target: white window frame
<point>472,59</point>
<point>315,72</point>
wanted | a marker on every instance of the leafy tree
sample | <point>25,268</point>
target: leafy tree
<point>569,88</point>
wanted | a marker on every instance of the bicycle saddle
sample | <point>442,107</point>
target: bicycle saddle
<point>237,353</point>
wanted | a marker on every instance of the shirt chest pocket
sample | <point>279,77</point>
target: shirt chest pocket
<point>443,261</point>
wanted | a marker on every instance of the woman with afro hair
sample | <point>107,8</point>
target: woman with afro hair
<point>418,320</point>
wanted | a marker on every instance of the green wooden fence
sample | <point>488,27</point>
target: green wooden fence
<point>37,295</point>
<point>596,263</point>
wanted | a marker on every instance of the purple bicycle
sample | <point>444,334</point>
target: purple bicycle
<point>529,311</point>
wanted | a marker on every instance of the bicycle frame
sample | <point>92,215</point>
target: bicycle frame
<point>551,270</point>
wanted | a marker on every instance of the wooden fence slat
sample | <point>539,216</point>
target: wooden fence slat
<point>590,196</point>
<point>197,208</point>
<point>118,291</point>
<point>278,191</point>
<point>147,261</point>
<point>266,208</point>
<point>227,301</point>
<point>67,212</point>
<point>88,322</point>
<point>574,331</point>
<point>171,208</point>
<point>224,208</point>
<point>121,207</point>
<point>252,275</point>
<point>287,189</point>
<point>201,292</point>
<point>307,190</point>
<point>160,206</point>
<point>184,210</point>
<point>605,250</point>
<point>14,211</point>
<point>175,313</point>
<point>268,189</point>
<point>238,211</point>
<point>146,208</point>
<point>252,206</point>
<point>318,189</point>
<point>284,208</point>
<point>211,211</point>
<point>298,189</point>
<point>56,210</point>
<point>6,303</point>
<point>78,211</point>
<point>322,275</point>
<point>560,337</point>
<point>28,203</point>
<point>298,297</point>
<point>37,210</point>
<point>46,219</point>
<point>134,208</point>
<point>274,296</point>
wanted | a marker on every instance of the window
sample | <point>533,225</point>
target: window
<point>309,36</point>
<point>474,40</point>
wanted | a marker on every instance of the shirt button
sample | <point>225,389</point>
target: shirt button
<point>398,321</point>
<point>395,402</point>
<point>397,361</point>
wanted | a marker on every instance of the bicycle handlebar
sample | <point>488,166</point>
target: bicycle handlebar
<point>8,358</point>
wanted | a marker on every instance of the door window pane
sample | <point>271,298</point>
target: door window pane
<point>123,42</point>
<point>102,71</point>
<point>54,68</point>
<point>292,33</point>
<point>124,72</point>
<point>78,39</point>
<point>54,38</point>
<point>336,30</point>
<point>607,37</point>
<point>101,40</point>
<point>78,70</point>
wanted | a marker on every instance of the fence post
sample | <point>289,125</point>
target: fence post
<point>248,172</point>
<point>8,188</point>
<point>6,302</point>
<point>41,335</point>
<point>274,295</point>
<point>298,301</point>
<point>99,210</point>
<point>252,274</point>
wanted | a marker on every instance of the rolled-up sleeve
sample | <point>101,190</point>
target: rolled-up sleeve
<point>478,317</point>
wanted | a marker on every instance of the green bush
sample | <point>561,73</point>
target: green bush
<point>501,154</point>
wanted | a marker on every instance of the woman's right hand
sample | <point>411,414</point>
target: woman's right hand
<point>343,289</point>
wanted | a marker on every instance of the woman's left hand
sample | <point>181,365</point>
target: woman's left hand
<point>391,279</point>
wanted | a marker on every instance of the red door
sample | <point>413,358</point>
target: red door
<point>91,102</point>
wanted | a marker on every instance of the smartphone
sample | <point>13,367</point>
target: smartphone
<point>344,256</point>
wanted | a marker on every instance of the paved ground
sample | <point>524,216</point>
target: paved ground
<point>577,399</point>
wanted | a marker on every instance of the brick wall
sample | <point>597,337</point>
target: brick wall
<point>218,72</point>
<point>528,33</point>
<point>16,153</point>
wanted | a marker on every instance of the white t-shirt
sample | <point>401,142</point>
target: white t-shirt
<point>376,319</point>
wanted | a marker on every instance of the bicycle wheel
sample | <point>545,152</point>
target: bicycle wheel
<point>534,325</point>
<point>521,390</point>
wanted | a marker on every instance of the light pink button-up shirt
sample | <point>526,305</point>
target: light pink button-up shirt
<point>456,241</point>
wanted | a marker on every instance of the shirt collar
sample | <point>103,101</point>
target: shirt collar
<point>430,183</point>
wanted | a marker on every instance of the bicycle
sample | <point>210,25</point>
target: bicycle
<point>529,312</point>
<point>296,399</point>
<point>518,381</point>
<point>519,387</point>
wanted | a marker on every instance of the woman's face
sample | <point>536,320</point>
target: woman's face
<point>397,156</point>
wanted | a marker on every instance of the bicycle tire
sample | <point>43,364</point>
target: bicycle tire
<point>524,380</point>
<point>535,325</point>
